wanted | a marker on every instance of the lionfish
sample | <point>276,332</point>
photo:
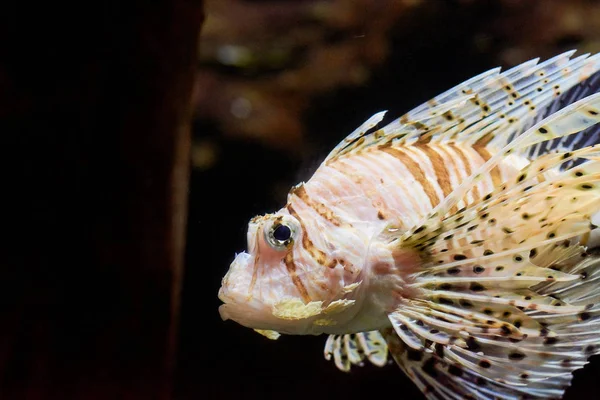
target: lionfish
<point>459,239</point>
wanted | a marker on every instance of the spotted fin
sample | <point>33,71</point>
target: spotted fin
<point>507,297</point>
<point>585,138</point>
<point>500,344</point>
<point>359,132</point>
<point>533,211</point>
<point>570,120</point>
<point>438,374</point>
<point>489,109</point>
<point>515,249</point>
<point>353,349</point>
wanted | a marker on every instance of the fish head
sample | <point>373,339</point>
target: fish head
<point>285,283</point>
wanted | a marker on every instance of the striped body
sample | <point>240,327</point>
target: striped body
<point>454,238</point>
<point>401,184</point>
<point>349,201</point>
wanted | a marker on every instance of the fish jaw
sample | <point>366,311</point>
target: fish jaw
<point>271,309</point>
<point>236,289</point>
<point>233,283</point>
<point>291,290</point>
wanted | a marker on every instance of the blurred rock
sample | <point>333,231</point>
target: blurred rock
<point>264,62</point>
<point>543,28</point>
<point>261,62</point>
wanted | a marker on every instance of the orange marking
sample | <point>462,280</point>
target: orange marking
<point>377,201</point>
<point>254,275</point>
<point>495,172</point>
<point>314,252</point>
<point>255,270</point>
<point>416,172</point>
<point>320,208</point>
<point>441,172</point>
<point>424,138</point>
<point>465,160</point>
<point>484,140</point>
<point>450,158</point>
<point>291,268</point>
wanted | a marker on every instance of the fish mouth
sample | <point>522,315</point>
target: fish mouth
<point>247,315</point>
<point>236,280</point>
<point>255,311</point>
<point>263,319</point>
<point>249,312</point>
<point>233,307</point>
<point>224,312</point>
<point>223,307</point>
<point>238,305</point>
<point>236,309</point>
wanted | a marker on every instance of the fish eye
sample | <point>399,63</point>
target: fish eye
<point>281,232</point>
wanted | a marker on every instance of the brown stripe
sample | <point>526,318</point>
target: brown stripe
<point>495,172</point>
<point>254,276</point>
<point>255,270</point>
<point>353,147</point>
<point>314,252</point>
<point>439,166</point>
<point>484,140</point>
<point>451,159</point>
<point>320,208</point>
<point>291,268</point>
<point>480,148</point>
<point>416,172</point>
<point>424,138</point>
<point>364,183</point>
<point>465,161</point>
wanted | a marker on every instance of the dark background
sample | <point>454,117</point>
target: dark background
<point>431,49</point>
<point>99,298</point>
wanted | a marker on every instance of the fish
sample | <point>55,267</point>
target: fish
<point>458,241</point>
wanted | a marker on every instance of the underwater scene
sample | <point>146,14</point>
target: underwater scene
<point>300,199</point>
<point>276,94</point>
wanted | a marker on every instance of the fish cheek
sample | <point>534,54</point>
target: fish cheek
<point>383,268</point>
<point>406,261</point>
<point>399,270</point>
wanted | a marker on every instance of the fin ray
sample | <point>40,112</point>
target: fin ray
<point>352,349</point>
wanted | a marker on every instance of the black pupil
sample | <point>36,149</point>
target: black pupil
<point>282,233</point>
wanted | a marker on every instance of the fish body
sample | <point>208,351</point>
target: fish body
<point>455,239</point>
